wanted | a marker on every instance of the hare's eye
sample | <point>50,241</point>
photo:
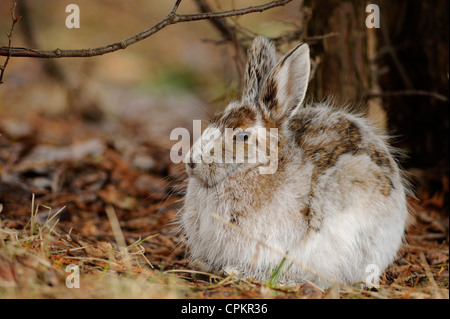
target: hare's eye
<point>242,136</point>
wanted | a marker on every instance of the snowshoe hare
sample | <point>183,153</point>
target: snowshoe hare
<point>333,200</point>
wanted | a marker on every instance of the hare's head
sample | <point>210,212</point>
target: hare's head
<point>247,134</point>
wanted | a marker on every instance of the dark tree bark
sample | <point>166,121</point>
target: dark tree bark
<point>406,76</point>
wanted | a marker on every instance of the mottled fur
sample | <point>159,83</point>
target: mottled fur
<point>336,202</point>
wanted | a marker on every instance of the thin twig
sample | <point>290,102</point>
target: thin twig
<point>171,18</point>
<point>321,37</point>
<point>435,95</point>
<point>437,294</point>
<point>14,19</point>
<point>221,25</point>
<point>228,32</point>
<point>175,7</point>
<point>190,271</point>
<point>392,52</point>
<point>117,231</point>
<point>412,247</point>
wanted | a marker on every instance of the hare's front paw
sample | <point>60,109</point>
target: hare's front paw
<point>203,267</point>
<point>200,265</point>
<point>228,271</point>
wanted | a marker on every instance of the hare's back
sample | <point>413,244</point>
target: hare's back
<point>337,140</point>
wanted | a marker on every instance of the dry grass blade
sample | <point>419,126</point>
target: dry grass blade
<point>193,272</point>
<point>225,280</point>
<point>117,231</point>
<point>434,287</point>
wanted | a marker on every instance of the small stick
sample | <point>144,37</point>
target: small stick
<point>435,288</point>
<point>435,95</point>
<point>14,19</point>
<point>117,231</point>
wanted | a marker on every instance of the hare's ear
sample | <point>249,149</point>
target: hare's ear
<point>285,87</point>
<point>261,60</point>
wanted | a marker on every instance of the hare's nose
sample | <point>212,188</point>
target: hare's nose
<point>191,164</point>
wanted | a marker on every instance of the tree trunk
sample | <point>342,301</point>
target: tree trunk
<point>397,73</point>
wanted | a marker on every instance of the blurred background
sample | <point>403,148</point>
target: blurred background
<point>397,74</point>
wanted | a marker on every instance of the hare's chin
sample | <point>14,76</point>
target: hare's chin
<point>213,179</point>
<point>210,181</point>
<point>206,178</point>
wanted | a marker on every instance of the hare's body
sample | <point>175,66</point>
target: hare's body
<point>335,204</point>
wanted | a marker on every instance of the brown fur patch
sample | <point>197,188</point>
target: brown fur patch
<point>386,163</point>
<point>243,116</point>
<point>345,137</point>
<point>323,144</point>
<point>269,96</point>
<point>380,158</point>
<point>326,153</point>
<point>269,121</point>
<point>216,118</point>
<point>236,216</point>
<point>385,184</point>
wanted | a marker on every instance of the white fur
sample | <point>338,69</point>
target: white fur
<point>293,76</point>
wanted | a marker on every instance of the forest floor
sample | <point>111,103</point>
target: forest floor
<point>73,193</point>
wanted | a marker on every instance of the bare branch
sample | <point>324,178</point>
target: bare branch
<point>391,50</point>
<point>171,18</point>
<point>175,7</point>
<point>435,95</point>
<point>228,31</point>
<point>14,19</point>
<point>223,26</point>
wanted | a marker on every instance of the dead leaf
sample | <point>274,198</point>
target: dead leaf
<point>436,258</point>
<point>43,155</point>
<point>103,250</point>
<point>7,275</point>
<point>310,292</point>
<point>112,196</point>
<point>89,228</point>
